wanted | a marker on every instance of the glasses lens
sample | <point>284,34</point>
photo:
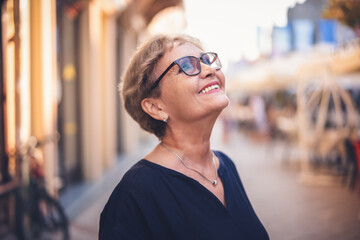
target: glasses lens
<point>211,59</point>
<point>190,65</point>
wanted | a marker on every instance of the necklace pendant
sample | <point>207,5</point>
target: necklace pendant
<point>214,182</point>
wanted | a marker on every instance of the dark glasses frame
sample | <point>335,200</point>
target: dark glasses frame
<point>216,58</point>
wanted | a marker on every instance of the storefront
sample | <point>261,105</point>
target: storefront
<point>61,63</point>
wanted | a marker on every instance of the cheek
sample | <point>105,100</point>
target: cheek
<point>220,75</point>
<point>172,93</point>
<point>180,99</point>
<point>181,88</point>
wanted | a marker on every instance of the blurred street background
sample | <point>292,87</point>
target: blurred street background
<point>292,72</point>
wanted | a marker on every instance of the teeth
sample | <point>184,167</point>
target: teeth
<point>216,86</point>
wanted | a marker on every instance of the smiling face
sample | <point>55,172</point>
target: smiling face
<point>187,98</point>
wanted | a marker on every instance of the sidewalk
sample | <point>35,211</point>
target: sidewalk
<point>84,203</point>
<point>289,210</point>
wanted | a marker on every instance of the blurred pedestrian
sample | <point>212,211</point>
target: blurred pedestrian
<point>259,110</point>
<point>182,189</point>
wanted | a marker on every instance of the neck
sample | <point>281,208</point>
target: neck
<point>191,140</point>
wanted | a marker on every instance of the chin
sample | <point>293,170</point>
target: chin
<point>222,102</point>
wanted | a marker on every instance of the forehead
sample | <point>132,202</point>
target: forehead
<point>181,50</point>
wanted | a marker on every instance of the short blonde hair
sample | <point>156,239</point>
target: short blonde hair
<point>139,77</point>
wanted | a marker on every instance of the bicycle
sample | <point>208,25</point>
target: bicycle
<point>44,217</point>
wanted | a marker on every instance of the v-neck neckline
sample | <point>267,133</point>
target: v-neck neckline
<point>220,171</point>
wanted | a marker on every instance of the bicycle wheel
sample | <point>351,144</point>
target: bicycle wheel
<point>51,222</point>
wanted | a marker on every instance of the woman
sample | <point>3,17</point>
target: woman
<point>182,189</point>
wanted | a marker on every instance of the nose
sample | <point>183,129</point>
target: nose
<point>206,70</point>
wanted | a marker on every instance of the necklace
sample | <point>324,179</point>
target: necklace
<point>214,182</point>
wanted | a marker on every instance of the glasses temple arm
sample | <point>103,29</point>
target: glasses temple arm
<point>161,76</point>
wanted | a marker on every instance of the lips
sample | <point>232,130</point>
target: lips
<point>208,87</point>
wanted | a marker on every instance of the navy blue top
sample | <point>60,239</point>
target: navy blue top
<point>155,202</point>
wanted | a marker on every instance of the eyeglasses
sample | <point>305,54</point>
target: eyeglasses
<point>191,66</point>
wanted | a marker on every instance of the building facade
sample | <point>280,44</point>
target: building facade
<point>61,63</point>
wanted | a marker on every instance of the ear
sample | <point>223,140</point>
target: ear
<point>154,108</point>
